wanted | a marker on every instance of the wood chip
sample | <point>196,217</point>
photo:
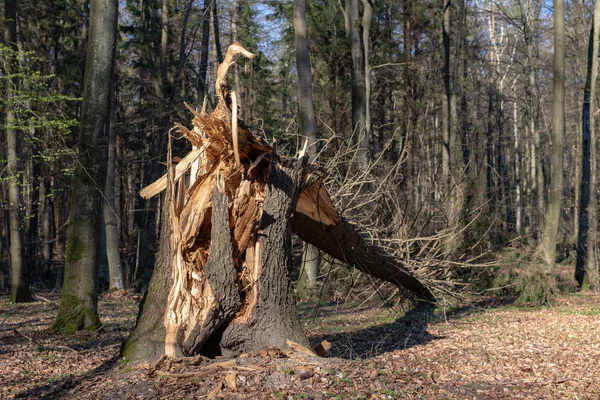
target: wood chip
<point>215,391</point>
<point>298,348</point>
<point>230,380</point>
<point>322,348</point>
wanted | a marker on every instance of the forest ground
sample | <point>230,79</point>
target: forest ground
<point>486,349</point>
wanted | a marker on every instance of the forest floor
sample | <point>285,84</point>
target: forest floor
<point>487,349</point>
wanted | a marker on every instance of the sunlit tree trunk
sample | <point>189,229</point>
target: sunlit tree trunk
<point>558,126</point>
<point>18,260</point>
<point>308,131</point>
<point>79,298</point>
<point>586,270</point>
<point>528,15</point>
<point>354,32</point>
<point>111,220</point>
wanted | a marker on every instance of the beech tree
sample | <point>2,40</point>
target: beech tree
<point>586,266</point>
<point>558,127</point>
<point>308,132</point>
<point>18,262</point>
<point>79,297</point>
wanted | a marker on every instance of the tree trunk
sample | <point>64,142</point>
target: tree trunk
<point>502,163</point>
<point>147,341</point>
<point>586,269</point>
<point>216,31</point>
<point>79,298</point>
<point>518,167</point>
<point>161,87</point>
<point>275,307</point>
<point>111,223</point>
<point>18,261</point>
<point>452,156</point>
<point>203,67</point>
<point>308,130</point>
<point>409,118</point>
<point>354,31</point>
<point>366,24</point>
<point>558,131</point>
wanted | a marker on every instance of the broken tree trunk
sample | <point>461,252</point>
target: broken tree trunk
<point>222,283</point>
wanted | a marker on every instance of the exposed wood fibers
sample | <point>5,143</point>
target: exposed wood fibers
<point>225,153</point>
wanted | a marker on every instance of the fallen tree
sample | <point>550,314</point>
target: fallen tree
<point>221,283</point>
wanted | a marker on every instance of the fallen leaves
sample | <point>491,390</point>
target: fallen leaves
<point>501,352</point>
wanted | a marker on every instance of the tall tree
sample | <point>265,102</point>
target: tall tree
<point>354,32</point>
<point>558,126</point>
<point>79,299</point>
<point>308,128</point>
<point>203,67</point>
<point>18,261</point>
<point>111,220</point>
<point>586,241</point>
<point>529,13</point>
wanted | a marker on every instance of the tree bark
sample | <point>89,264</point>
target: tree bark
<point>203,67</point>
<point>216,31</point>
<point>558,126</point>
<point>18,261</point>
<point>346,243</point>
<point>161,87</point>
<point>354,31</point>
<point>586,267</point>
<point>275,310</point>
<point>147,341</point>
<point>527,16</point>
<point>111,223</point>
<point>308,131</point>
<point>79,298</point>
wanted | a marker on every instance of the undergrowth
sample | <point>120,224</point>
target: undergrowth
<point>526,277</point>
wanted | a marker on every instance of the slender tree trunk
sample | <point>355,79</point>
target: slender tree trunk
<point>446,150</point>
<point>517,167</point>
<point>354,30</point>
<point>161,86</point>
<point>234,39</point>
<point>18,259</point>
<point>558,125</point>
<point>366,24</point>
<point>203,67</point>
<point>506,193</point>
<point>216,31</point>
<point>79,299</point>
<point>308,131</point>
<point>113,252</point>
<point>490,176</point>
<point>454,157</point>
<point>586,270</point>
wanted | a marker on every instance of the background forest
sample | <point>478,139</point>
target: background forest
<point>434,121</point>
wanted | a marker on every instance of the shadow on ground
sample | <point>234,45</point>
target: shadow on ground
<point>59,388</point>
<point>405,332</point>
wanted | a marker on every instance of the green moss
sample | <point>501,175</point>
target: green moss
<point>75,315</point>
<point>128,349</point>
<point>75,250</point>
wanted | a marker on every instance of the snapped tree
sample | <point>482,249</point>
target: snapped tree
<point>222,281</point>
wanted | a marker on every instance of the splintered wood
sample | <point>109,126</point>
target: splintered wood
<point>228,159</point>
